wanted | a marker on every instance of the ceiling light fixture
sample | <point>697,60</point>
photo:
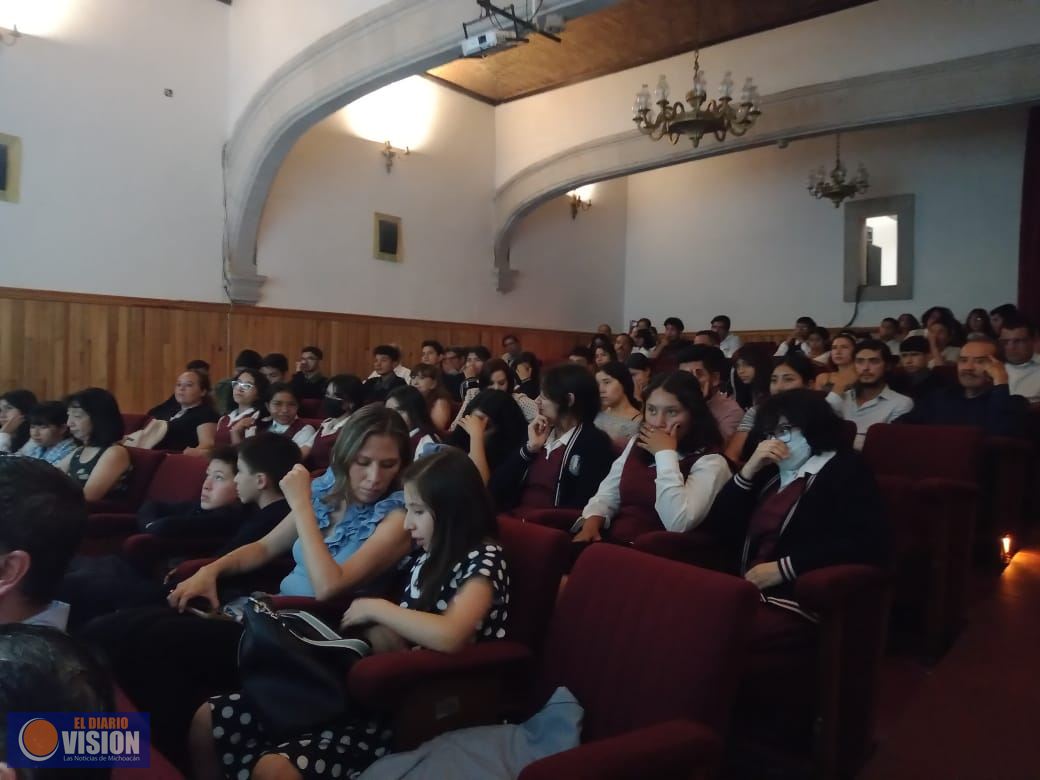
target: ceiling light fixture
<point>838,187</point>
<point>578,203</point>
<point>391,153</point>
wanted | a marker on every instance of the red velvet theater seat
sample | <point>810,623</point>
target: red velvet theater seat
<point>311,408</point>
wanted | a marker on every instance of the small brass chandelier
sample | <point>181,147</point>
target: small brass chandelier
<point>698,116</point>
<point>838,187</point>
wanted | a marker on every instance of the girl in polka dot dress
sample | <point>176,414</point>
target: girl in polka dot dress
<point>458,581</point>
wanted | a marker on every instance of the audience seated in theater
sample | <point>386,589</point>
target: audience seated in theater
<point>707,338</point>
<point>870,400</point>
<point>497,375</point>
<point>844,374</point>
<point>246,360</point>
<point>528,370</point>
<point>492,427</point>
<point>426,379</point>
<point>818,341</point>
<point>14,422</point>
<point>708,365</point>
<point>645,341</point>
<point>623,346</point>
<point>599,339</point>
<point>605,330</point>
<point>283,418</point>
<point>977,321</point>
<point>667,350</point>
<point>42,517</point>
<point>749,376</point>
<point>248,389</point>
<point>410,404</point>
<point>640,369</point>
<point>99,464</point>
<point>431,352</point>
<point>577,454</point>
<point>171,406</point>
<point>981,399</point>
<point>511,348</point>
<point>451,368</point>
<point>49,438</point>
<point>344,395</point>
<point>620,417</point>
<point>888,332</point>
<point>473,369</point>
<point>386,358</point>
<point>191,428</point>
<point>799,338</point>
<point>582,356</point>
<point>457,594</point>
<point>918,379</point>
<point>998,315</point>
<point>275,367</point>
<point>780,508</point>
<point>941,351</point>
<point>308,381</point>
<point>909,326</point>
<point>603,354</point>
<point>667,476</point>
<point>1017,338</point>
<point>643,323</point>
<point>729,343</point>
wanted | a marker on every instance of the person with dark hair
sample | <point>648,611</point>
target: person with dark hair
<point>283,418</point>
<point>246,360</point>
<point>100,464</point>
<point>706,338</point>
<point>799,338</point>
<point>191,428</point>
<point>752,367</point>
<point>431,352</point>
<point>918,379</point>
<point>619,416</point>
<point>666,351</point>
<point>42,519</point>
<point>308,381</point>
<point>511,345</point>
<point>275,366</point>
<point>981,399</point>
<point>729,343</point>
<point>819,345</point>
<point>888,332</point>
<point>565,456</point>
<point>603,354</point>
<point>426,378</point>
<point>473,369</point>
<point>581,356</point>
<point>497,375</point>
<point>527,369</point>
<point>491,427</point>
<point>248,390</point>
<point>645,342</point>
<point>640,369</point>
<point>623,346</point>
<point>998,315</point>
<point>841,358</point>
<point>1017,338</point>
<point>386,359</point>
<point>709,365</point>
<point>668,475</point>
<point>49,438</point>
<point>409,403</point>
<point>14,425</point>
<point>456,594</point>
<point>909,326</point>
<point>870,400</point>
<point>451,371</point>
<point>170,406</point>
<point>344,395</point>
<point>977,321</point>
<point>940,344</point>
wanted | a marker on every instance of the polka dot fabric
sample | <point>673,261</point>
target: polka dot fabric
<point>486,561</point>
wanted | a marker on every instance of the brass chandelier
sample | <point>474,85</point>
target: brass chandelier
<point>698,116</point>
<point>838,187</point>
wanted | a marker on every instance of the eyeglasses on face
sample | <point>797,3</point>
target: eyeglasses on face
<point>782,433</point>
<point>242,385</point>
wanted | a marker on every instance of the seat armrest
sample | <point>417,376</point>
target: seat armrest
<point>675,748</point>
<point>329,611</point>
<point>186,569</point>
<point>693,547</point>
<point>833,587</point>
<point>104,524</point>
<point>563,519</point>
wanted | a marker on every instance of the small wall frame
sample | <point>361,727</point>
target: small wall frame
<point>386,241</point>
<point>10,167</point>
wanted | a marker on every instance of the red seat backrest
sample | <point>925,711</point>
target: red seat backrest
<point>922,451</point>
<point>849,431</point>
<point>310,407</point>
<point>537,558</point>
<point>133,422</point>
<point>178,478</point>
<point>144,463</point>
<point>640,640</point>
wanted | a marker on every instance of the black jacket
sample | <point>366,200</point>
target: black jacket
<point>840,518</point>
<point>238,525</point>
<point>308,388</point>
<point>587,460</point>
<point>997,412</point>
<point>378,388</point>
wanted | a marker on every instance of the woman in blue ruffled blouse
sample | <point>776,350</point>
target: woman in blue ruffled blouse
<point>344,529</point>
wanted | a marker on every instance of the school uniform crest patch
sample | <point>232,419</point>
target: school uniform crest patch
<point>574,465</point>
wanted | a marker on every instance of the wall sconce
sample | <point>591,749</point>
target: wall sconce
<point>391,153</point>
<point>579,203</point>
<point>9,37</point>
<point>1007,549</point>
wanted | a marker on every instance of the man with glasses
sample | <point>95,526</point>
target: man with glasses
<point>1018,338</point>
<point>871,400</point>
<point>451,370</point>
<point>308,381</point>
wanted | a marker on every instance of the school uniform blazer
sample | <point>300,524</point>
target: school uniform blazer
<point>839,518</point>
<point>586,461</point>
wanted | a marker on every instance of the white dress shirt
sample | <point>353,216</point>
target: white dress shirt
<point>1024,379</point>
<point>730,344</point>
<point>681,504</point>
<point>401,371</point>
<point>782,349</point>
<point>303,437</point>
<point>56,615</point>
<point>886,407</point>
<point>555,442</point>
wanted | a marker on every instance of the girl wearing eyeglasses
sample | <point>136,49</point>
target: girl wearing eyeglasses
<point>247,389</point>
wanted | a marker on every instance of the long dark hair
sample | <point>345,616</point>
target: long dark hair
<point>747,395</point>
<point>493,366</point>
<point>411,402</point>
<point>463,516</point>
<point>23,401</point>
<point>529,359</point>
<point>987,326</point>
<point>806,410</point>
<point>620,372</point>
<point>426,371</point>
<point>106,422</point>
<point>570,379</point>
<point>371,420</point>
<point>704,431</point>
<point>260,384</point>
<point>504,414</point>
<point>349,390</point>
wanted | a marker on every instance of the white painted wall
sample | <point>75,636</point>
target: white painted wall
<point>315,242</point>
<point>879,36</point>
<point>121,187</point>
<point>739,234</point>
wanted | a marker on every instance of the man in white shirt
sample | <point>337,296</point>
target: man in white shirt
<point>728,342</point>
<point>871,400</point>
<point>799,338</point>
<point>1023,367</point>
<point>889,333</point>
<point>393,353</point>
<point>42,517</point>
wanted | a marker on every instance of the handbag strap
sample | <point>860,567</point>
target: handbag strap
<point>331,638</point>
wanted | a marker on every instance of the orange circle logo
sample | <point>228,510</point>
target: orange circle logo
<point>38,739</point>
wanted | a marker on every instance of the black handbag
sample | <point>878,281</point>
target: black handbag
<point>294,669</point>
